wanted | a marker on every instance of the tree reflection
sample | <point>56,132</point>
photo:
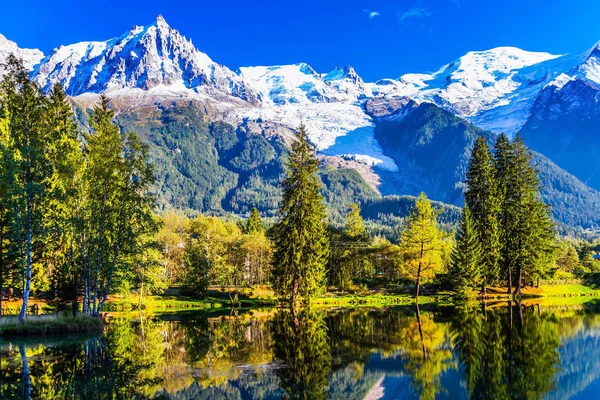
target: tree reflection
<point>300,344</point>
<point>507,353</point>
<point>427,353</point>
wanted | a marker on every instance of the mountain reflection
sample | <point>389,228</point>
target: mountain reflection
<point>504,351</point>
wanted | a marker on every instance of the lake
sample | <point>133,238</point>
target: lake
<point>526,351</point>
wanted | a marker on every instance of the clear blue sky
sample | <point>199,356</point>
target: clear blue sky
<point>380,38</point>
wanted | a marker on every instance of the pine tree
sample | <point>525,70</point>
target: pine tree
<point>64,153</point>
<point>421,243</point>
<point>254,225</point>
<point>532,236</point>
<point>527,234</point>
<point>483,201</point>
<point>301,242</point>
<point>466,260</point>
<point>502,163</point>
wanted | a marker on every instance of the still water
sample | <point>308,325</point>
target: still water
<point>498,352</point>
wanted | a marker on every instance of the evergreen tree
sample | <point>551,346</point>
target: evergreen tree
<point>526,226</point>
<point>483,201</point>
<point>301,242</point>
<point>466,260</point>
<point>354,222</point>
<point>502,163</point>
<point>254,225</point>
<point>65,154</point>
<point>421,243</point>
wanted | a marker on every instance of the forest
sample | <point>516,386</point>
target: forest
<point>80,223</point>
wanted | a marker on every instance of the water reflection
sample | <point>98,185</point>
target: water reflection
<point>500,352</point>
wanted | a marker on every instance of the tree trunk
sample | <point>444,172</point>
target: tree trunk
<point>28,249</point>
<point>418,284</point>
<point>518,285</point>
<point>421,330</point>
<point>26,375</point>
<point>509,280</point>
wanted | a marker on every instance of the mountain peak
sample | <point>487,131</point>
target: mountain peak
<point>161,22</point>
<point>148,57</point>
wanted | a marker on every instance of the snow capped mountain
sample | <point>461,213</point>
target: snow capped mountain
<point>301,84</point>
<point>30,57</point>
<point>564,119</point>
<point>485,87</point>
<point>146,57</point>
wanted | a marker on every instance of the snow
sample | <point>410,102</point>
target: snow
<point>560,81</point>
<point>495,89</point>
<point>30,57</point>
<point>299,83</point>
<point>145,57</point>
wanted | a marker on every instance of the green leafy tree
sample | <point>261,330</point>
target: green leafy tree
<point>482,197</point>
<point>23,105</point>
<point>421,243</point>
<point>466,259</point>
<point>301,242</point>
<point>567,258</point>
<point>196,265</point>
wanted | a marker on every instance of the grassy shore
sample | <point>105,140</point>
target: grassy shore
<point>49,324</point>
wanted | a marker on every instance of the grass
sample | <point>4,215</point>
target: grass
<point>49,324</point>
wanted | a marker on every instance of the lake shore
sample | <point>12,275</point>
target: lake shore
<point>265,298</point>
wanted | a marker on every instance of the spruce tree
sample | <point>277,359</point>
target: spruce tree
<point>254,225</point>
<point>301,241</point>
<point>466,259</point>
<point>483,201</point>
<point>502,163</point>
<point>60,208</point>
<point>531,244</point>
<point>526,228</point>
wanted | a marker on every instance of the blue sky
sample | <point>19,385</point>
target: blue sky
<point>380,38</point>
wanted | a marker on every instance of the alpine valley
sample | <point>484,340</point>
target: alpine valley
<point>218,137</point>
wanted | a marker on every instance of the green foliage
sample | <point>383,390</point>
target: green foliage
<point>301,242</point>
<point>483,201</point>
<point>421,244</point>
<point>300,342</point>
<point>196,265</point>
<point>466,267</point>
<point>254,224</point>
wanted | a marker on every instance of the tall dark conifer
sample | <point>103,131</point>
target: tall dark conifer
<point>301,241</point>
<point>254,225</point>
<point>530,246</point>
<point>466,270</point>
<point>502,162</point>
<point>483,200</point>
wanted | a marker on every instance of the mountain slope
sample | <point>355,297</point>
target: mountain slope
<point>565,118</point>
<point>218,137</point>
<point>433,147</point>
